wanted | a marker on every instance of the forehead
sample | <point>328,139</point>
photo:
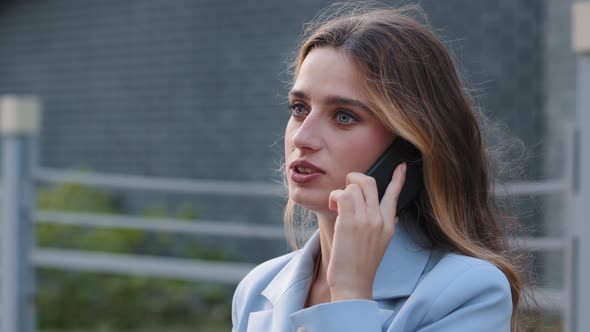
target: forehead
<point>328,71</point>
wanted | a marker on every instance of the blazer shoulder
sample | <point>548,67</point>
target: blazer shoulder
<point>456,264</point>
<point>458,282</point>
<point>480,274</point>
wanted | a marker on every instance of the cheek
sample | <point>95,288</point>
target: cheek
<point>288,139</point>
<point>358,156</point>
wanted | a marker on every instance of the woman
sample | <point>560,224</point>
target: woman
<point>362,80</point>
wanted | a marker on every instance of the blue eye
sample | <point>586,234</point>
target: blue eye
<point>345,118</point>
<point>298,110</point>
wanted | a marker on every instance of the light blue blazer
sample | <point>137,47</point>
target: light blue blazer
<point>415,289</point>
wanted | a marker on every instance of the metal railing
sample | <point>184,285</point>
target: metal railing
<point>19,254</point>
<point>547,299</point>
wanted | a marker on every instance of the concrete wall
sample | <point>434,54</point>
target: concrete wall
<point>197,88</point>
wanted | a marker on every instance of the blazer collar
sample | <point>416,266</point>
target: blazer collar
<point>397,276</point>
<point>300,268</point>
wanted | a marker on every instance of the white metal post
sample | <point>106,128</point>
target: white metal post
<point>569,214</point>
<point>581,43</point>
<point>19,123</point>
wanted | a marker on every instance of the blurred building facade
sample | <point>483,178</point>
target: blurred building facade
<point>197,89</point>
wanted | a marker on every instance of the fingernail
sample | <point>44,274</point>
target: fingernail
<point>404,167</point>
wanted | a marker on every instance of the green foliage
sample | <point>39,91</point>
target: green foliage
<point>110,302</point>
<point>72,197</point>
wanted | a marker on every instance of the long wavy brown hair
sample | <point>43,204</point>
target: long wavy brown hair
<point>417,92</point>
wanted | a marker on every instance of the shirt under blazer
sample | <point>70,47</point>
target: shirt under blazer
<point>416,288</point>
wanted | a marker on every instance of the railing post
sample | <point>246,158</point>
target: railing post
<point>581,44</point>
<point>19,125</point>
<point>569,215</point>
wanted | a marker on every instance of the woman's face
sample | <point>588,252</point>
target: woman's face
<point>332,131</point>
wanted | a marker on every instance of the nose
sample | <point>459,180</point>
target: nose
<point>308,135</point>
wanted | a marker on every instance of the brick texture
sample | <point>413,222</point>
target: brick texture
<point>197,88</point>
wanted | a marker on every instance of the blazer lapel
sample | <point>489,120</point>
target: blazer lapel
<point>403,263</point>
<point>401,268</point>
<point>288,289</point>
<point>398,274</point>
<point>259,321</point>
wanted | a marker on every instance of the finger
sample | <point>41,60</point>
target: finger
<point>346,205</point>
<point>389,200</point>
<point>359,206</point>
<point>368,188</point>
<point>333,199</point>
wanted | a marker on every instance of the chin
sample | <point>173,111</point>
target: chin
<point>310,199</point>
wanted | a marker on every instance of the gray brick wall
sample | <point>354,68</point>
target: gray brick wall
<point>196,88</point>
<point>500,48</point>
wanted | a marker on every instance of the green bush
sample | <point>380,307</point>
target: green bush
<point>94,300</point>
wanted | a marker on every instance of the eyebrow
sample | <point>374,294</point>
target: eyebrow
<point>334,100</point>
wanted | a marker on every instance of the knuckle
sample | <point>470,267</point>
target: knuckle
<point>350,177</point>
<point>355,177</point>
<point>346,194</point>
<point>376,227</point>
<point>369,181</point>
<point>374,222</point>
<point>359,218</point>
<point>353,187</point>
<point>378,219</point>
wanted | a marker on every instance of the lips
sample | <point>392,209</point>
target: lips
<point>302,171</point>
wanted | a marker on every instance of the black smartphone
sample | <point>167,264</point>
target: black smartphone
<point>382,170</point>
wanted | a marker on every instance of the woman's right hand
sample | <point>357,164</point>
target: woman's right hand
<point>364,227</point>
